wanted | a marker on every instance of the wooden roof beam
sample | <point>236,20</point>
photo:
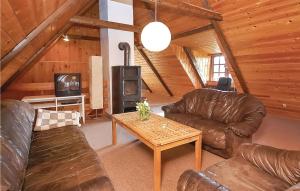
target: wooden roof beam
<point>42,51</point>
<point>83,37</point>
<point>37,31</point>
<point>226,50</point>
<point>97,23</point>
<point>188,62</point>
<point>32,60</point>
<point>185,8</point>
<point>192,32</point>
<point>150,64</point>
<point>146,85</point>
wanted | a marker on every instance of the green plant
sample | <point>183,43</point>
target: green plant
<point>143,109</point>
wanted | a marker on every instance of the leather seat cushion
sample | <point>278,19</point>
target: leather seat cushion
<point>61,159</point>
<point>16,128</point>
<point>212,131</point>
<point>238,174</point>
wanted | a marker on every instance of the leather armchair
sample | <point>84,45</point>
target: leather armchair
<point>255,167</point>
<point>227,119</point>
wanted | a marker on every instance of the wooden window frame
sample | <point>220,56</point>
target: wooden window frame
<point>212,64</point>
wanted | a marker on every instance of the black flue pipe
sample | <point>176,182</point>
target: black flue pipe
<point>126,47</point>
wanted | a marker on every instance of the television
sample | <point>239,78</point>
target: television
<point>67,84</point>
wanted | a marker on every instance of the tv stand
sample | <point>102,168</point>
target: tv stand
<point>51,101</point>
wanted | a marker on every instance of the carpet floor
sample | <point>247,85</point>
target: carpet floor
<point>130,165</point>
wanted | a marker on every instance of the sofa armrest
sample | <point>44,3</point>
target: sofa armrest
<point>248,126</point>
<point>241,129</point>
<point>280,163</point>
<point>192,181</point>
<point>178,107</point>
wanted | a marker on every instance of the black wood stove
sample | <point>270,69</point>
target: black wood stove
<point>126,84</point>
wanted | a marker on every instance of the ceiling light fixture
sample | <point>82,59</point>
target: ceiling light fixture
<point>66,38</point>
<point>156,36</point>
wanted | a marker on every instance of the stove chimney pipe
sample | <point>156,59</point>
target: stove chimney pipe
<point>126,47</point>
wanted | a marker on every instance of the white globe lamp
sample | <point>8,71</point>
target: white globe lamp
<point>156,36</point>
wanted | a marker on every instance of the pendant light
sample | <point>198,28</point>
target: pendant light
<point>156,36</point>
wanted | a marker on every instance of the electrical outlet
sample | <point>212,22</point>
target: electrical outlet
<point>283,105</point>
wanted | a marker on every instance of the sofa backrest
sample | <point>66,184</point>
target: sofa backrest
<point>283,164</point>
<point>201,102</point>
<point>225,107</point>
<point>16,128</point>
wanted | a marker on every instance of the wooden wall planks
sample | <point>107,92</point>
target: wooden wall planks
<point>69,9</point>
<point>63,57</point>
<point>170,70</point>
<point>265,39</point>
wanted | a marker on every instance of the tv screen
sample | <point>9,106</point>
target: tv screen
<point>67,84</point>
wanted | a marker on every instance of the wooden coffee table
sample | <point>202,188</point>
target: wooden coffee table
<point>159,134</point>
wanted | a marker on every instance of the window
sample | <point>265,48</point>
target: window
<point>218,68</point>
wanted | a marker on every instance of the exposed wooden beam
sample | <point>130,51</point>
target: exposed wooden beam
<point>33,34</point>
<point>148,61</point>
<point>184,8</point>
<point>97,23</point>
<point>146,85</point>
<point>82,37</point>
<point>193,63</point>
<point>188,61</point>
<point>192,32</point>
<point>226,50</point>
<point>42,51</point>
<point>32,60</point>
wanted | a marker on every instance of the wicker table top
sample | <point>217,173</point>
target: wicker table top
<point>157,130</point>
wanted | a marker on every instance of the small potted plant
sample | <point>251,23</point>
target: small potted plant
<point>143,109</point>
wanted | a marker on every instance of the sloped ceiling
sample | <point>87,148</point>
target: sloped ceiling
<point>264,36</point>
<point>265,39</point>
<point>20,18</point>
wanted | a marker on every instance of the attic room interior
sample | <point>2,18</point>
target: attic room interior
<point>143,95</point>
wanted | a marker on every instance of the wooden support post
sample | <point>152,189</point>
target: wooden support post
<point>192,32</point>
<point>227,52</point>
<point>184,8</point>
<point>148,61</point>
<point>146,85</point>
<point>97,23</point>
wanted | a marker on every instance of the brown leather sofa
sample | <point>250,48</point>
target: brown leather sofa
<point>57,159</point>
<point>255,167</point>
<point>226,119</point>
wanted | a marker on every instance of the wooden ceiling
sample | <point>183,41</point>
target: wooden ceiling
<point>205,41</point>
<point>28,26</point>
<point>263,36</point>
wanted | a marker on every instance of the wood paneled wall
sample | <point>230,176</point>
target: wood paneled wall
<point>169,69</point>
<point>265,39</point>
<point>23,17</point>
<point>72,56</point>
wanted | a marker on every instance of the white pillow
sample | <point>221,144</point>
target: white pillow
<point>47,119</point>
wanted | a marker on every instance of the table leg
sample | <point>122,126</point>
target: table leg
<point>114,131</point>
<point>83,109</point>
<point>198,150</point>
<point>157,169</point>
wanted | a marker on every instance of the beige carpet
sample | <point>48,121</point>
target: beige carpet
<point>130,166</point>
